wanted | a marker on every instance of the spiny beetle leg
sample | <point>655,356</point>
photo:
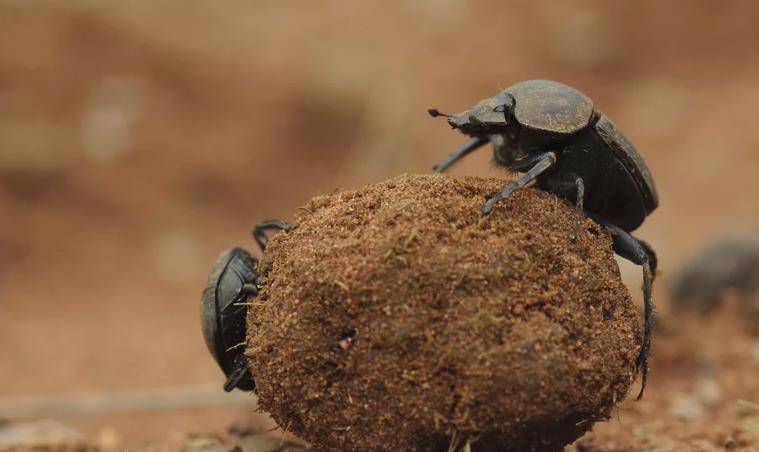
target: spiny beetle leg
<point>640,253</point>
<point>543,162</point>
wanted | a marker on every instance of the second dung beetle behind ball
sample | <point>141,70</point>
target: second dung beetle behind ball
<point>226,298</point>
<point>553,134</point>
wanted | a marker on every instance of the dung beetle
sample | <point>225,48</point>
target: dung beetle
<point>224,308</point>
<point>553,134</point>
<point>729,264</point>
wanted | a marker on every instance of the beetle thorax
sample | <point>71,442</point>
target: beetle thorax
<point>551,107</point>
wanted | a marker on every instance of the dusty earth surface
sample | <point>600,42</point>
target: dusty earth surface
<point>701,397</point>
<point>138,140</point>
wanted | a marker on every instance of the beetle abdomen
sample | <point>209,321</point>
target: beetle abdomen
<point>223,318</point>
<point>629,157</point>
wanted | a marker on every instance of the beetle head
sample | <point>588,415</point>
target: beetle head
<point>514,146</point>
<point>489,116</point>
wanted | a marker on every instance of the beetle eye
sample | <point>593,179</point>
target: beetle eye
<point>500,109</point>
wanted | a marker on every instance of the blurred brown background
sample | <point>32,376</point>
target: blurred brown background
<point>139,139</point>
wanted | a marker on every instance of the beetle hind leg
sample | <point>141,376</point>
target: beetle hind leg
<point>640,253</point>
<point>570,187</point>
<point>652,259</point>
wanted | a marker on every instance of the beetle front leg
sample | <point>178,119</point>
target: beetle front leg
<point>543,162</point>
<point>640,253</point>
<point>259,231</point>
<point>469,147</point>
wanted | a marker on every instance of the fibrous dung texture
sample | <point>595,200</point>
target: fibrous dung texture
<point>398,317</point>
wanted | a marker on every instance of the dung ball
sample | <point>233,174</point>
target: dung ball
<point>398,317</point>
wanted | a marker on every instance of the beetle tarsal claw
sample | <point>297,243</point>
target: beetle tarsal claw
<point>491,203</point>
<point>488,207</point>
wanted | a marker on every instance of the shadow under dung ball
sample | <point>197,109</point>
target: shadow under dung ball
<point>397,317</point>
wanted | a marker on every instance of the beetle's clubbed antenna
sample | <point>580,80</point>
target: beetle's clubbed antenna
<point>434,112</point>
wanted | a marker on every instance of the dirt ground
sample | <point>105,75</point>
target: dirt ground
<point>138,140</point>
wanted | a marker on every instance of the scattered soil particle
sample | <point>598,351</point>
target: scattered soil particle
<point>692,354</point>
<point>397,317</point>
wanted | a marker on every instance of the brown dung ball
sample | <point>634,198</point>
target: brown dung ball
<point>398,317</point>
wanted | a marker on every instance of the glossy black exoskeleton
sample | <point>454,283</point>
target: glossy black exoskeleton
<point>224,308</point>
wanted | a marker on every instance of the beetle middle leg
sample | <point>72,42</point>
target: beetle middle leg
<point>580,194</point>
<point>259,231</point>
<point>579,203</point>
<point>640,253</point>
<point>568,185</point>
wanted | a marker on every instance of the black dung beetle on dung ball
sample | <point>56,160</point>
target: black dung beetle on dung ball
<point>552,134</point>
